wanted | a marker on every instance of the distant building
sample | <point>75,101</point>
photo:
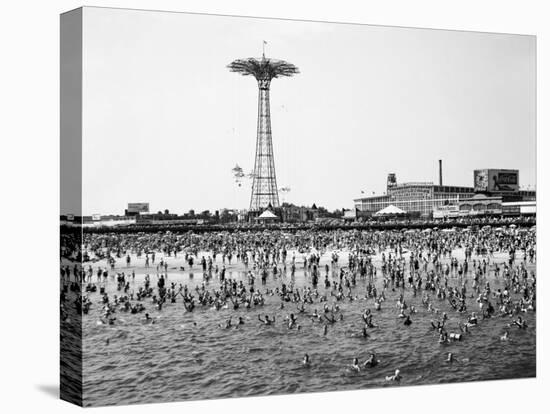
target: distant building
<point>418,198</point>
<point>492,189</point>
<point>293,214</point>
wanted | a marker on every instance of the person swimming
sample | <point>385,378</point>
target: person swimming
<point>437,326</point>
<point>407,321</point>
<point>148,319</point>
<point>361,334</point>
<point>450,358</point>
<point>267,321</point>
<point>227,325</point>
<point>315,315</point>
<point>332,318</point>
<point>306,361</point>
<point>292,320</point>
<point>354,367</point>
<point>395,377</point>
<point>520,323</point>
<point>443,336</point>
<point>371,361</point>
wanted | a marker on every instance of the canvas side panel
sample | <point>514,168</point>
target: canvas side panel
<point>71,207</point>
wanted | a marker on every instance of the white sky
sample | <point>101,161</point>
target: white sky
<point>165,122</point>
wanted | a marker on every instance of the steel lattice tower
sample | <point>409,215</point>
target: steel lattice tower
<point>264,183</point>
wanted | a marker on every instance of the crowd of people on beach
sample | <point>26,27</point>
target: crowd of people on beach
<point>410,264</point>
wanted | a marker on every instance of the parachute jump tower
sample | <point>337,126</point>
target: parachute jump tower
<point>264,181</point>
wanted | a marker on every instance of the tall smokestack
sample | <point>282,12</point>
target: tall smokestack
<point>440,173</point>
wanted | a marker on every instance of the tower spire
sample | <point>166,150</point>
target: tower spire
<point>264,181</point>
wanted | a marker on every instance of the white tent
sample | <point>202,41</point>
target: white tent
<point>389,211</point>
<point>266,215</point>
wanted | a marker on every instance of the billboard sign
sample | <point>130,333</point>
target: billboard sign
<point>138,207</point>
<point>496,181</point>
<point>392,180</point>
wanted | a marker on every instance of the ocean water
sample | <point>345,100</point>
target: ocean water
<point>186,356</point>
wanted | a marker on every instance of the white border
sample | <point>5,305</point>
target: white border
<point>30,170</point>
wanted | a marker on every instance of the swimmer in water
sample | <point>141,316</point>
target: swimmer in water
<point>355,365</point>
<point>325,329</point>
<point>291,321</point>
<point>306,362</point>
<point>227,325</point>
<point>443,337</point>
<point>407,321</point>
<point>438,326</point>
<point>332,319</point>
<point>395,377</point>
<point>361,334</point>
<point>505,336</point>
<point>315,315</point>
<point>371,361</point>
<point>450,358</point>
<point>520,323</point>
<point>267,321</point>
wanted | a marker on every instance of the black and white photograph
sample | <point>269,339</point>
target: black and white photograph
<point>260,206</point>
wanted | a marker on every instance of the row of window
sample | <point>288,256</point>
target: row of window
<point>480,207</point>
<point>451,189</point>
<point>423,206</point>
